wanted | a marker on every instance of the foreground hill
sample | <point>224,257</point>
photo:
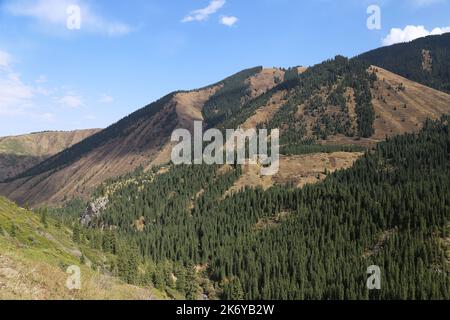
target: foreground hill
<point>34,256</point>
<point>19,153</point>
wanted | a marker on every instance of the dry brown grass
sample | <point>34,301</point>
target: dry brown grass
<point>189,106</point>
<point>307,169</point>
<point>264,81</point>
<point>266,113</point>
<point>25,280</point>
<point>299,170</point>
<point>400,111</point>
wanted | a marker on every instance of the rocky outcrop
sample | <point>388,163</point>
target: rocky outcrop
<point>93,210</point>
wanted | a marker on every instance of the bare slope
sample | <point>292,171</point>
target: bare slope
<point>402,105</point>
<point>141,139</point>
<point>298,170</point>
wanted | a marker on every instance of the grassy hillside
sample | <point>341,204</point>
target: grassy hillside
<point>42,143</point>
<point>35,254</point>
<point>227,100</point>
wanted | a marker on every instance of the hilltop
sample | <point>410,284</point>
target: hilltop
<point>19,153</point>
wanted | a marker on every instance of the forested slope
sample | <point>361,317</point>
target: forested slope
<point>425,60</point>
<point>391,209</point>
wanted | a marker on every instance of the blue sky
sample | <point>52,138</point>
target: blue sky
<point>128,53</point>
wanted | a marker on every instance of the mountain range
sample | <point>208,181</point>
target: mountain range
<point>319,102</point>
<point>363,180</point>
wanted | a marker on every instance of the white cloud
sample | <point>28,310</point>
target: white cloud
<point>15,96</point>
<point>54,13</point>
<point>30,102</point>
<point>228,21</point>
<point>203,14</point>
<point>104,98</point>
<point>5,59</point>
<point>71,100</point>
<point>409,33</point>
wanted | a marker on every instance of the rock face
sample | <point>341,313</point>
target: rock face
<point>93,210</point>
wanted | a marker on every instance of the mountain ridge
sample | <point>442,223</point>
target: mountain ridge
<point>339,102</point>
<point>425,60</point>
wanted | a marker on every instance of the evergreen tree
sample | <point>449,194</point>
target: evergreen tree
<point>192,287</point>
<point>13,230</point>
<point>44,218</point>
<point>158,279</point>
<point>237,293</point>
<point>181,280</point>
<point>76,233</point>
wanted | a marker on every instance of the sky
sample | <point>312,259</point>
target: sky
<point>76,64</point>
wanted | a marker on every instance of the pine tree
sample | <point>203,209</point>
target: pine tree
<point>237,293</point>
<point>133,264</point>
<point>44,218</point>
<point>122,264</point>
<point>76,233</point>
<point>147,278</point>
<point>192,288</point>
<point>181,280</point>
<point>158,279</point>
<point>13,230</point>
<point>168,275</point>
